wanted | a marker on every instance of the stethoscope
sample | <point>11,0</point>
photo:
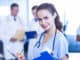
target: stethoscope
<point>38,43</point>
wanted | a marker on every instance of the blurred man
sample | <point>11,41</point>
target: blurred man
<point>34,9</point>
<point>33,24</point>
<point>78,34</point>
<point>12,34</point>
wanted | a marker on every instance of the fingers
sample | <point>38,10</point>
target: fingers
<point>20,56</point>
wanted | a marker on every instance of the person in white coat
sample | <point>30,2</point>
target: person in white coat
<point>33,24</point>
<point>12,34</point>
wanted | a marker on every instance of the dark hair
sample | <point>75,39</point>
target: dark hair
<point>34,7</point>
<point>14,5</point>
<point>52,10</point>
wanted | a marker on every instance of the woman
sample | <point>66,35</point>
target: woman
<point>51,38</point>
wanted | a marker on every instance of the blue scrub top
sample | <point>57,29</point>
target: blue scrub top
<point>60,47</point>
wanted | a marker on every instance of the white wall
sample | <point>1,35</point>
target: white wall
<point>68,10</point>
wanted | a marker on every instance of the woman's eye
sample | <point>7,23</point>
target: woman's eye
<point>46,18</point>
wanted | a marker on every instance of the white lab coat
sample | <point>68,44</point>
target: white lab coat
<point>7,31</point>
<point>34,26</point>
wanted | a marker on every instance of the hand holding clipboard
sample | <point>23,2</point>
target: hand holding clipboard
<point>19,35</point>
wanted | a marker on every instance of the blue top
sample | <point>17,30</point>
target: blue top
<point>60,47</point>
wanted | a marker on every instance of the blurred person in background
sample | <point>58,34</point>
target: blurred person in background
<point>33,24</point>
<point>12,34</point>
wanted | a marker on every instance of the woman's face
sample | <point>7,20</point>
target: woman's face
<point>46,19</point>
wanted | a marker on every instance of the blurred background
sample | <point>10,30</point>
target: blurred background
<point>68,10</point>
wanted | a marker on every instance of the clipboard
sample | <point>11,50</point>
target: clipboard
<point>19,35</point>
<point>45,56</point>
<point>31,34</point>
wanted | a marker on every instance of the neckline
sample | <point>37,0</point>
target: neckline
<point>50,39</point>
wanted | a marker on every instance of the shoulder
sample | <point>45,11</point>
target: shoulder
<point>62,45</point>
<point>61,38</point>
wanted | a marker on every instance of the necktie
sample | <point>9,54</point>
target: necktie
<point>14,18</point>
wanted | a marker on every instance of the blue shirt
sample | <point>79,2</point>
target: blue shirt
<point>60,47</point>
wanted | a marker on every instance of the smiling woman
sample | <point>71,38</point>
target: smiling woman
<point>50,15</point>
<point>51,40</point>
